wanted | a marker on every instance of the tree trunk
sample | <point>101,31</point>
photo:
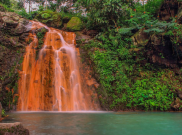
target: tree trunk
<point>46,4</point>
<point>29,5</point>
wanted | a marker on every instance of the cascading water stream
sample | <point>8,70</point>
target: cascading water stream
<point>52,83</point>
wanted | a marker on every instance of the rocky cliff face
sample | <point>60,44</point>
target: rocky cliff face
<point>13,32</point>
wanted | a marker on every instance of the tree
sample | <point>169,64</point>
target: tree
<point>107,13</point>
<point>20,4</point>
<point>6,2</point>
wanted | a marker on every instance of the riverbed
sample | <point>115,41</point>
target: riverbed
<point>99,123</point>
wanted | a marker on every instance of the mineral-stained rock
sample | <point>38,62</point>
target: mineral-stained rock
<point>13,129</point>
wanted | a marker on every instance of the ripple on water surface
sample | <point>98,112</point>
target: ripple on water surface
<point>99,123</point>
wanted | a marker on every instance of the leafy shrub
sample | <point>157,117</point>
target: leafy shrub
<point>6,7</point>
<point>151,7</point>
<point>52,6</point>
<point>41,8</point>
<point>30,15</point>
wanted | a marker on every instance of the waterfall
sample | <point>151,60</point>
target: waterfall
<point>52,82</point>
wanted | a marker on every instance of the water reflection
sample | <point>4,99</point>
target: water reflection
<point>100,123</point>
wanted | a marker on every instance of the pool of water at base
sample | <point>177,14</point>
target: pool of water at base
<point>99,123</point>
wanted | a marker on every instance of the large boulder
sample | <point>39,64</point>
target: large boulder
<point>75,24</point>
<point>140,38</point>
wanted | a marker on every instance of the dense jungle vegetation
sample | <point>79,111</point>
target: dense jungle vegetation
<point>122,60</point>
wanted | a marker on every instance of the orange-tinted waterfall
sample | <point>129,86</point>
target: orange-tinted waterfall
<point>52,83</point>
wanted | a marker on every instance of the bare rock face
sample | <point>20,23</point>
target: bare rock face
<point>13,129</point>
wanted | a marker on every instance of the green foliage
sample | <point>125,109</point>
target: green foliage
<point>153,6</point>
<point>6,7</point>
<point>20,5</point>
<point>123,85</point>
<point>52,6</point>
<point>41,8</point>
<point>108,13</point>
<point>30,15</point>
<point>118,71</point>
<point>40,36</point>
<point>45,16</point>
<point>3,113</point>
<point>159,27</point>
<point>104,13</point>
<point>52,19</point>
<point>150,94</point>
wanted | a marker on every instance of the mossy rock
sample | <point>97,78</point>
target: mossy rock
<point>75,24</point>
<point>46,16</point>
<point>50,18</point>
<point>140,38</point>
